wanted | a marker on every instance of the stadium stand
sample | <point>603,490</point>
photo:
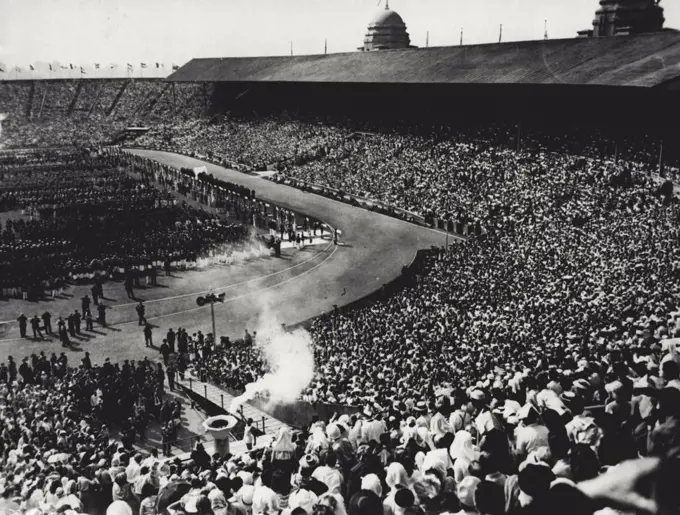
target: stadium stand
<point>533,370</point>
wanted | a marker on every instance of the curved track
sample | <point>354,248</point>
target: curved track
<point>373,249</point>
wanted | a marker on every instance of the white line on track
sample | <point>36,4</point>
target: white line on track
<point>225,302</point>
<point>184,295</point>
<point>229,285</point>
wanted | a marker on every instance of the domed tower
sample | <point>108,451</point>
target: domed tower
<point>623,17</point>
<point>386,31</point>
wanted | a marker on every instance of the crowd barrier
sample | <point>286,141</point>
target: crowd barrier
<point>299,414</point>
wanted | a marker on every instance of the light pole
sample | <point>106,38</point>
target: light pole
<point>211,298</point>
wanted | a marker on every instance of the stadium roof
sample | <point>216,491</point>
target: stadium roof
<point>642,60</point>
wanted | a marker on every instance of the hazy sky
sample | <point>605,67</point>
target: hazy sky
<point>173,31</point>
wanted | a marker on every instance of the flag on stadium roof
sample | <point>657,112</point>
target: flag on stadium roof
<point>114,65</point>
<point>64,67</point>
<point>71,66</point>
<point>143,65</point>
<point>129,66</point>
<point>82,70</point>
<point>175,67</point>
<point>2,71</point>
<point>32,67</point>
<point>96,66</point>
<point>51,69</point>
<point>16,68</point>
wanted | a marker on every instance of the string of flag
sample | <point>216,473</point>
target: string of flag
<point>83,68</point>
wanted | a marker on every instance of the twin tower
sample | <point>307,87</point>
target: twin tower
<point>388,31</point>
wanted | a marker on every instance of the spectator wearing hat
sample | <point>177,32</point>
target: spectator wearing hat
<point>396,479</point>
<point>244,496</point>
<point>265,501</point>
<point>364,502</point>
<point>530,435</point>
<point>371,428</point>
<point>304,499</point>
<point>283,448</point>
<point>218,502</point>
<point>305,480</point>
<point>461,414</point>
<point>534,483</point>
<point>119,508</point>
<point>465,491</point>
<point>620,406</point>
<point>463,453</point>
<point>439,424</point>
<point>670,372</point>
<point>339,438</point>
<point>404,499</point>
<point>372,482</point>
<point>485,420</point>
<point>327,472</point>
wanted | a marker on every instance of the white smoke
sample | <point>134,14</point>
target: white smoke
<point>253,251</point>
<point>290,359</point>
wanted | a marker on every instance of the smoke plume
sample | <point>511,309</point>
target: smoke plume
<point>290,359</point>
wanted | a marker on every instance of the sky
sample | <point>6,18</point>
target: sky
<point>167,32</point>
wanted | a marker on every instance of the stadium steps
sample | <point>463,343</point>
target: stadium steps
<point>100,87</point>
<point>140,107</point>
<point>42,101</point>
<point>31,94</point>
<point>76,96</point>
<point>114,104</point>
<point>162,97</point>
<point>224,399</point>
<point>146,107</point>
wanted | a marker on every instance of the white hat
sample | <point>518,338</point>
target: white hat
<point>119,508</point>
<point>304,499</point>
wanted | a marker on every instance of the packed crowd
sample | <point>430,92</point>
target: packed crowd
<point>431,171</point>
<point>85,215</point>
<point>229,364</point>
<point>254,143</point>
<point>531,446</point>
<point>90,112</point>
<point>549,347</point>
<point>67,432</point>
<point>518,376</point>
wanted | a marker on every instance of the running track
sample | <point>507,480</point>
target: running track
<point>373,249</point>
<point>374,246</point>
